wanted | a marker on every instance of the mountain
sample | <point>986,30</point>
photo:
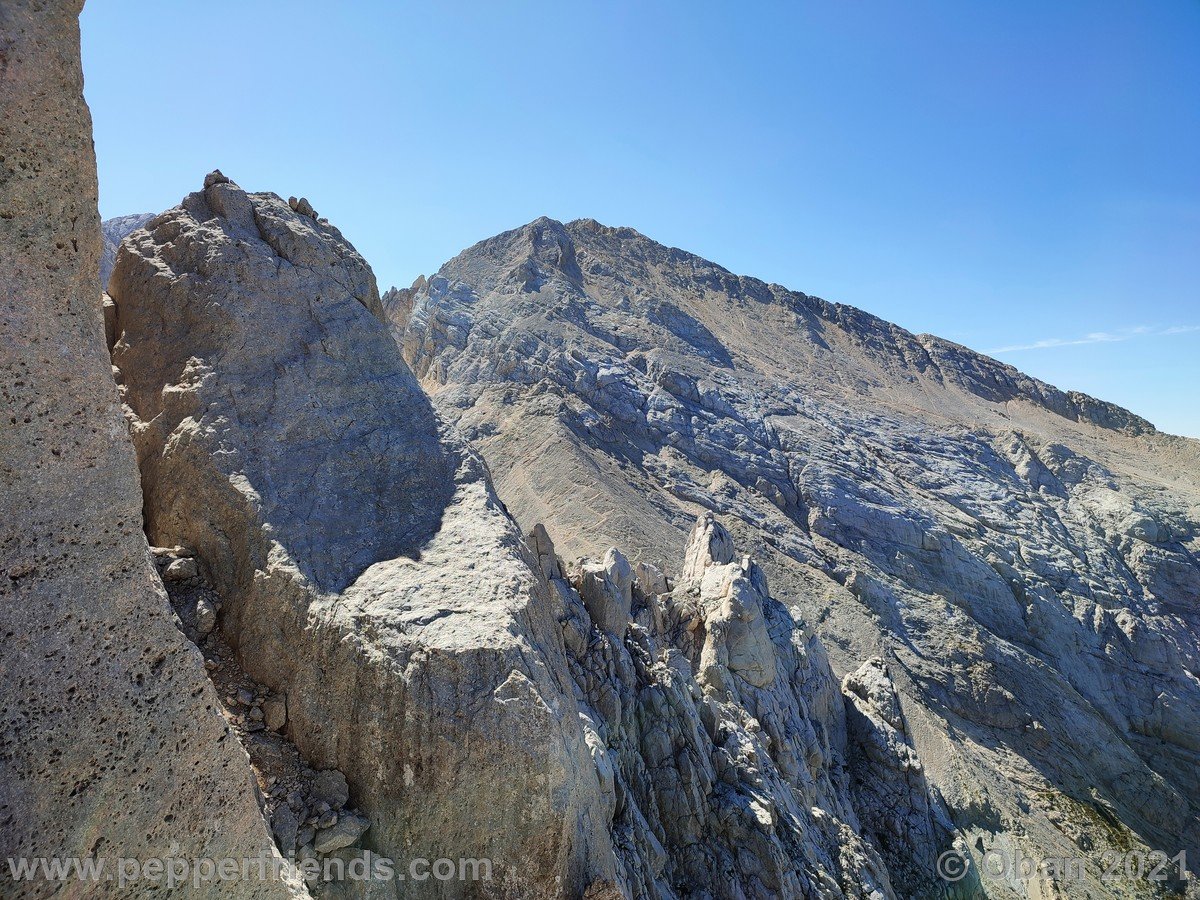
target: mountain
<point>338,556</point>
<point>114,231</point>
<point>884,603</point>
<point>1021,560</point>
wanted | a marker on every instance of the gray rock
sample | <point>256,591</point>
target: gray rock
<point>343,833</point>
<point>330,787</point>
<point>651,580</point>
<point>275,712</point>
<point>284,826</point>
<point>180,570</point>
<point>365,566</point>
<point>114,231</point>
<point>998,542</point>
<point>205,616</point>
<point>606,589</point>
<point>714,733</point>
<point>96,680</point>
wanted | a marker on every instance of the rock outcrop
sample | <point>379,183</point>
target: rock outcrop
<point>114,231</point>
<point>111,743</point>
<point>716,727</point>
<point>339,641</point>
<point>1021,559</point>
<point>363,569</point>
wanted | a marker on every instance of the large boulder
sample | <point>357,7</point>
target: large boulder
<point>110,743</point>
<point>366,569</point>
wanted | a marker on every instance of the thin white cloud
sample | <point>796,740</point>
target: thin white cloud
<point>1096,337</point>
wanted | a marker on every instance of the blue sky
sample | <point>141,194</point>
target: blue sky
<point>1022,177</point>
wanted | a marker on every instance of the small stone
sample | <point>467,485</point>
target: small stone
<point>181,569</point>
<point>284,827</point>
<point>205,614</point>
<point>343,833</point>
<point>295,799</point>
<point>275,712</point>
<point>327,819</point>
<point>331,787</point>
<point>215,177</point>
<point>304,208</point>
<point>306,835</point>
<point>255,714</point>
<point>245,697</point>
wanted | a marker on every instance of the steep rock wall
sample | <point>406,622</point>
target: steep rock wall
<point>366,570</point>
<point>111,744</point>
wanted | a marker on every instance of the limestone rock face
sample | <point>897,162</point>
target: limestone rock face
<point>340,490</point>
<point>719,736</point>
<point>111,744</point>
<point>1022,559</point>
<point>365,569</point>
<point>904,818</point>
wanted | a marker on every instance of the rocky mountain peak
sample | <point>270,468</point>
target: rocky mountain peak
<point>988,558</point>
<point>979,633</point>
<point>114,231</point>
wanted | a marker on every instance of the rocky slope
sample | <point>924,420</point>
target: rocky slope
<point>717,730</point>
<point>363,569</point>
<point>110,743</point>
<point>340,641</point>
<point>369,610</point>
<point>1019,561</point>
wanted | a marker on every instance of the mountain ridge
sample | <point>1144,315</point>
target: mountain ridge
<point>1004,377</point>
<point>1012,552</point>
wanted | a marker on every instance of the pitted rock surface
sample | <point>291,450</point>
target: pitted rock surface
<point>111,744</point>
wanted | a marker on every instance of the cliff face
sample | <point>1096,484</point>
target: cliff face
<point>111,744</point>
<point>363,570</point>
<point>1021,561</point>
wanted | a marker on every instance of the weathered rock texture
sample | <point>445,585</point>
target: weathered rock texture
<point>111,743</point>
<point>114,231</point>
<point>716,727</point>
<point>366,572</point>
<point>1020,561</point>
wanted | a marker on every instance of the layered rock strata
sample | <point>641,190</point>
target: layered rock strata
<point>1023,560</point>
